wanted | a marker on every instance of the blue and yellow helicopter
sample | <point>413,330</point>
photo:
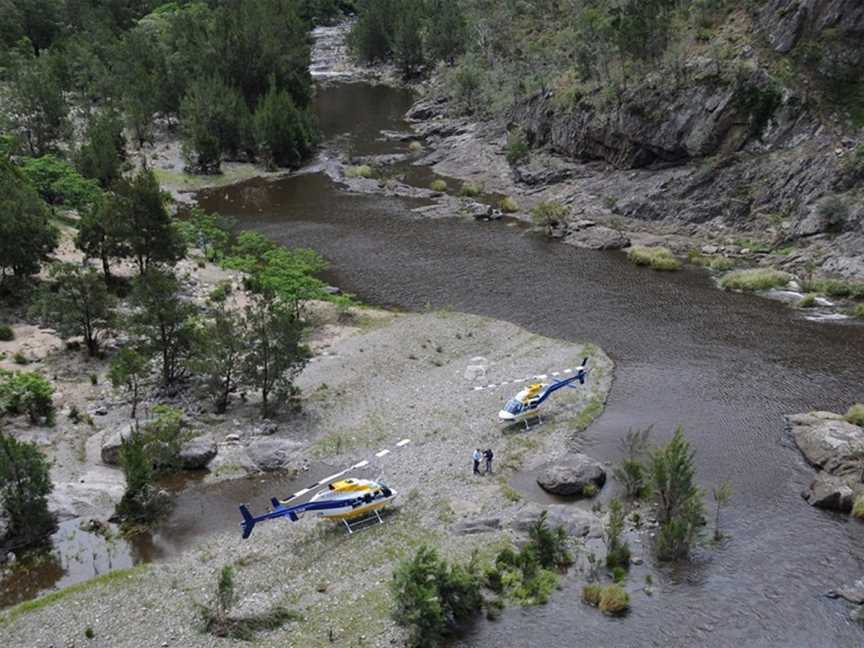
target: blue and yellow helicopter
<point>527,402</point>
<point>350,501</point>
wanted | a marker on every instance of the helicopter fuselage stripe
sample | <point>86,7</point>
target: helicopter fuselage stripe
<point>514,381</point>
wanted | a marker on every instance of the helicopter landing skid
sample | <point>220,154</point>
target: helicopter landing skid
<point>538,418</point>
<point>363,522</point>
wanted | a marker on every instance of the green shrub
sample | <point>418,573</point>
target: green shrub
<point>808,301</point>
<point>471,189</point>
<point>27,393</point>
<point>517,147</point>
<point>359,171</point>
<point>657,258</point>
<point>88,632</point>
<point>755,279</point>
<point>614,601</point>
<point>20,359</point>
<point>217,620</point>
<point>858,311</point>
<point>631,471</point>
<point>431,596</point>
<point>589,490</point>
<point>619,574</point>
<point>508,205</point>
<point>438,185</point>
<point>855,414</point>
<point>58,182</point>
<point>834,211</point>
<point>617,550</point>
<point>25,483</point>
<point>858,507</point>
<point>415,146</point>
<point>6,333</point>
<point>549,214</point>
<point>680,511</point>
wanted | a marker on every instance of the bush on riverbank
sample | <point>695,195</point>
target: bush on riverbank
<point>438,185</point>
<point>834,288</point>
<point>27,392</point>
<point>25,483</point>
<point>755,279</point>
<point>6,333</point>
<point>528,577</point>
<point>617,549</point>
<point>657,258</point>
<point>808,301</point>
<point>858,311</point>
<point>216,618</point>
<point>432,597</point>
<point>680,510</point>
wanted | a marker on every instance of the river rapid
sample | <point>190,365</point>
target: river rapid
<point>724,366</point>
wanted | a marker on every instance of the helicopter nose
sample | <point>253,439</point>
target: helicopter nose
<point>504,415</point>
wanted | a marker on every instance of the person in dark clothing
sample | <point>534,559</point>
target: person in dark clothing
<point>488,455</point>
<point>476,457</point>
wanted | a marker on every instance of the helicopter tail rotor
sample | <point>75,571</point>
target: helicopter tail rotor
<point>248,521</point>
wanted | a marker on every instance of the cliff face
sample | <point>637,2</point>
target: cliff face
<point>761,133</point>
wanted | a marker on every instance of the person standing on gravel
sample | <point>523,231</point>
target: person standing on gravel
<point>488,455</point>
<point>477,457</point>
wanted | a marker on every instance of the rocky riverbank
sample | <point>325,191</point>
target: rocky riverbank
<point>388,376</point>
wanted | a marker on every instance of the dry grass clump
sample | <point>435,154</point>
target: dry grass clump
<point>508,205</point>
<point>610,599</point>
<point>855,414</point>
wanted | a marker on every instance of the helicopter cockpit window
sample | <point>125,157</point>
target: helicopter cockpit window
<point>513,406</point>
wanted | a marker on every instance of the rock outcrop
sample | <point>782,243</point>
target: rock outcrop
<point>112,441</point>
<point>575,521</point>
<point>591,236</point>
<point>836,448</point>
<point>571,476</point>
<point>271,454</point>
<point>197,453</point>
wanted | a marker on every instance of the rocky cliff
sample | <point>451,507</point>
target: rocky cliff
<point>762,128</point>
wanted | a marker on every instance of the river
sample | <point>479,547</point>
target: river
<point>724,366</point>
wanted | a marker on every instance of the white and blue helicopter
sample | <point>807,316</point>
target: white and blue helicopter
<point>526,403</point>
<point>350,501</point>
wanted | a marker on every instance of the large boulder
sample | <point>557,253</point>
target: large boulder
<point>587,234</point>
<point>575,521</point>
<point>197,453</point>
<point>111,442</point>
<point>830,492</point>
<point>270,454</point>
<point>827,441</point>
<point>571,476</point>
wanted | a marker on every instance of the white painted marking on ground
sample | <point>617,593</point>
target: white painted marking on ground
<point>541,377</point>
<point>333,476</point>
<point>556,373</point>
<point>382,453</point>
<point>360,465</point>
<point>568,370</point>
<point>403,442</point>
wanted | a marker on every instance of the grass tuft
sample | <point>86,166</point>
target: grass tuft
<point>438,185</point>
<point>471,189</point>
<point>359,171</point>
<point>858,311</point>
<point>755,279</point>
<point>858,507</point>
<point>855,414</point>
<point>657,258</point>
<point>808,301</point>
<point>6,333</point>
<point>508,205</point>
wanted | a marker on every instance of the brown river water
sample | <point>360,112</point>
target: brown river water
<point>724,366</point>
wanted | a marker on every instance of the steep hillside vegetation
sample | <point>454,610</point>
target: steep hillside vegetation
<point>752,110</point>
